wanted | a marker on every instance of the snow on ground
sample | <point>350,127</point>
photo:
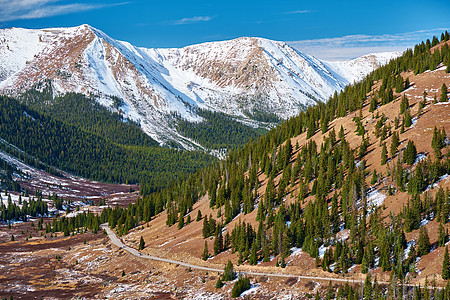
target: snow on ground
<point>356,69</point>
<point>253,289</point>
<point>377,261</point>
<point>376,198</point>
<point>409,246</point>
<point>15,199</point>
<point>420,156</point>
<point>443,177</point>
<point>322,250</point>
<point>74,214</point>
<point>296,251</point>
<point>424,222</point>
<point>156,82</point>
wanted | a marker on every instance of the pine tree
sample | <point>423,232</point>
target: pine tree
<point>373,104</point>
<point>219,283</point>
<point>368,289</point>
<point>374,177</point>
<point>444,97</point>
<point>205,253</point>
<point>410,153</point>
<point>423,244</point>
<point>404,105</point>
<point>253,258</point>
<point>383,155</point>
<point>445,266</point>
<point>407,83</point>
<point>241,285</point>
<point>438,141</point>
<point>394,143</point>
<point>205,231</point>
<point>228,272</point>
<point>442,238</point>
<point>218,243</point>
<point>141,244</point>
<point>407,120</point>
<point>199,215</point>
<point>180,221</point>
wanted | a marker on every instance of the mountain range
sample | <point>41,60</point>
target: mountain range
<point>245,78</point>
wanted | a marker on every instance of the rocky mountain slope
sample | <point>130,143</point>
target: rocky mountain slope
<point>243,77</point>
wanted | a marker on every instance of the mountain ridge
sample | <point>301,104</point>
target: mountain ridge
<point>237,77</point>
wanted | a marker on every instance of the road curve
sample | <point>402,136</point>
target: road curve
<point>135,252</point>
<point>116,241</point>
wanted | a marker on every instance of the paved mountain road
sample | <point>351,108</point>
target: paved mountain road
<point>135,252</point>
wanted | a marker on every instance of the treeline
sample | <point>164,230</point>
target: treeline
<point>265,148</point>
<point>89,155</point>
<point>217,130</point>
<point>74,225</point>
<point>87,114</point>
<point>19,212</point>
<point>332,172</point>
<point>6,176</point>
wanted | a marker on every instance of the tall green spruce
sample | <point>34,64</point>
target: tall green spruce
<point>446,265</point>
<point>444,96</point>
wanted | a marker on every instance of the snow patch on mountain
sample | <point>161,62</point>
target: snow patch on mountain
<point>237,77</point>
<point>356,69</point>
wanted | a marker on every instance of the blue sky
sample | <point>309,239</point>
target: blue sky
<point>326,29</point>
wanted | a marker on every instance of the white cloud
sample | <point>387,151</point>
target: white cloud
<point>298,12</point>
<point>36,9</point>
<point>192,20</point>
<point>352,46</point>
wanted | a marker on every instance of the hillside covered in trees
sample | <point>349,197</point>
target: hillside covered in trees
<point>359,183</point>
<point>79,136</point>
<point>356,188</point>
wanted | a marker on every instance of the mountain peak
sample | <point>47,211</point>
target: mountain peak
<point>240,77</point>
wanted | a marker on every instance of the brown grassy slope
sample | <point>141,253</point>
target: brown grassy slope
<point>187,243</point>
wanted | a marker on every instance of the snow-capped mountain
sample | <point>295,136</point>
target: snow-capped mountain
<point>236,77</point>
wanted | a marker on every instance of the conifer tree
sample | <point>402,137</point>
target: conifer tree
<point>368,289</point>
<point>205,230</point>
<point>218,243</point>
<point>141,243</point>
<point>253,258</point>
<point>180,221</point>
<point>199,215</point>
<point>228,272</point>
<point>373,104</point>
<point>423,244</point>
<point>374,177</point>
<point>404,105</point>
<point>444,97</point>
<point>394,143</point>
<point>205,254</point>
<point>383,155</point>
<point>445,266</point>
<point>407,120</point>
<point>219,283</point>
<point>442,238</point>
<point>410,153</point>
<point>438,141</point>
